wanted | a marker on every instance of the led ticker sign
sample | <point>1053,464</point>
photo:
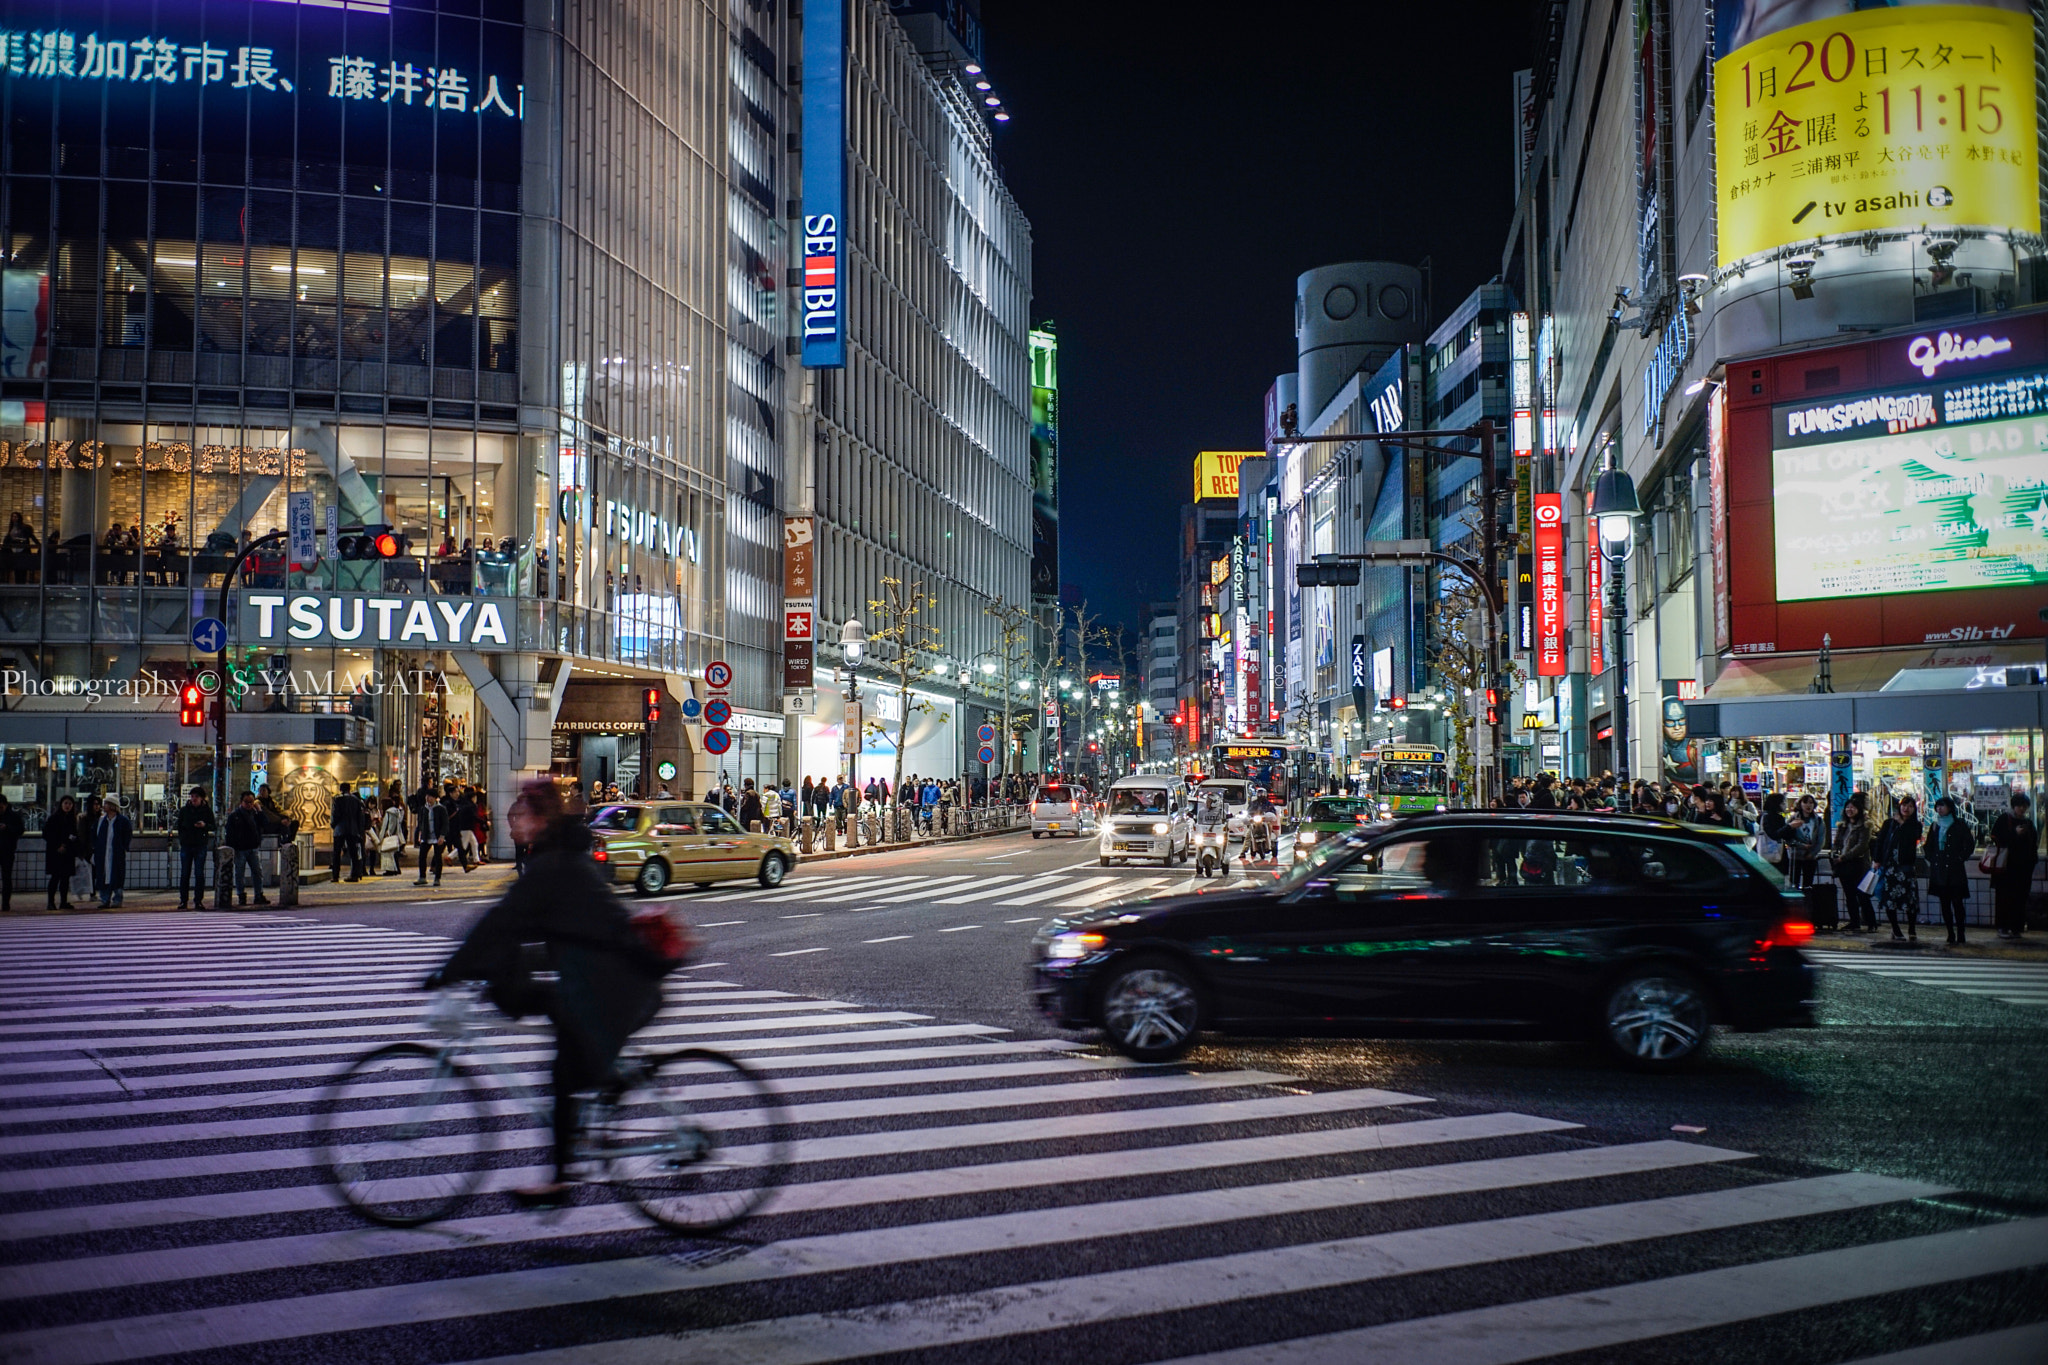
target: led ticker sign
<point>1937,488</point>
<point>1550,651</point>
<point>824,203</point>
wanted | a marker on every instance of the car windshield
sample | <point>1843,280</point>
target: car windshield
<point>1340,847</point>
<point>1413,779</point>
<point>1233,792</point>
<point>1138,801</point>
<point>625,818</point>
<point>1327,812</point>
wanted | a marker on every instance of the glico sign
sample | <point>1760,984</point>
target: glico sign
<point>1889,492</point>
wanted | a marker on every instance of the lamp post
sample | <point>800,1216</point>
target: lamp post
<point>1614,512</point>
<point>853,642</point>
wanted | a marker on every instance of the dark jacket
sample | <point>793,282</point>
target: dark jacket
<point>433,824</point>
<point>275,821</point>
<point>1851,849</point>
<point>1948,856</point>
<point>750,810</point>
<point>346,811</point>
<point>1898,845</point>
<point>244,828</point>
<point>11,828</point>
<point>609,981</point>
<point>110,838</point>
<point>62,844</point>
<point>462,815</point>
<point>2020,840</point>
<point>196,827</point>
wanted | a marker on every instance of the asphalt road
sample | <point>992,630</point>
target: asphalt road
<point>973,1186</point>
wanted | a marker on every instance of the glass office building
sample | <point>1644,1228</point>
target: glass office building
<point>428,265</point>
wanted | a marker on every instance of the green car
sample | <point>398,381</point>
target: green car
<point>1328,816</point>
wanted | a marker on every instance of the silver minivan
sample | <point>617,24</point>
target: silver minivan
<point>1146,816</point>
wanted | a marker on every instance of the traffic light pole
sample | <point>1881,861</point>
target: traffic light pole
<point>220,698</point>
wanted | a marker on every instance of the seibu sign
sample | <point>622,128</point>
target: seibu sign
<point>315,619</point>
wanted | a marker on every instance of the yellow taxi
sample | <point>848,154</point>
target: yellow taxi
<point>654,844</point>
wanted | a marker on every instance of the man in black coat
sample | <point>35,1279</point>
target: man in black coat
<point>12,827</point>
<point>608,981</point>
<point>196,828</point>
<point>346,812</point>
<point>244,835</point>
<point>462,827</point>
<point>111,834</point>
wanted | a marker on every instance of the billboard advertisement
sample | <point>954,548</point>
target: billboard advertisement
<point>1872,501</point>
<point>1831,118</point>
<point>1216,473</point>
<point>824,202</point>
<point>1045,463</point>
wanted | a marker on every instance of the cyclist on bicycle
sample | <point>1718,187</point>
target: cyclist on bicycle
<point>608,978</point>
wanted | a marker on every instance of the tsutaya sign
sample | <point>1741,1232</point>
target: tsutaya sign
<point>315,619</point>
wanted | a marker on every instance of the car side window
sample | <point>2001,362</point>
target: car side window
<point>1573,862</point>
<point>718,822</point>
<point>676,820</point>
<point>1666,865</point>
<point>1431,865</point>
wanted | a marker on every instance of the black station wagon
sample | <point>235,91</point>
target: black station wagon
<point>1639,933</point>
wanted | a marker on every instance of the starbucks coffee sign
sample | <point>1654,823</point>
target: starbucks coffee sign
<point>361,620</point>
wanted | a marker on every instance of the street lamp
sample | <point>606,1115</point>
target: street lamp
<point>853,642</point>
<point>1614,512</point>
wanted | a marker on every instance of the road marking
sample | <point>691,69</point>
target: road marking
<point>893,938</point>
<point>2014,1346</point>
<point>1111,893</point>
<point>799,952</point>
<point>813,914</point>
<point>1028,919</point>
<point>1052,892</point>
<point>985,893</point>
<point>721,924</point>
<point>958,927</point>
<point>921,892</point>
<point>1534,1329</point>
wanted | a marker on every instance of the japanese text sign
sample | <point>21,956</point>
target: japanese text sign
<point>1550,652</point>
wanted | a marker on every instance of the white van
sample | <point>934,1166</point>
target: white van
<point>1146,816</point>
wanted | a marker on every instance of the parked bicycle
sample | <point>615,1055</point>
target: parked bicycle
<point>694,1139</point>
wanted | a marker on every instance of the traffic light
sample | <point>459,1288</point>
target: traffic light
<point>191,705</point>
<point>1397,703</point>
<point>650,705</point>
<point>1326,574</point>
<point>1492,706</point>
<point>375,542</point>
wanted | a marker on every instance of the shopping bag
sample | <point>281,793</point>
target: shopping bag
<point>81,880</point>
<point>1872,880</point>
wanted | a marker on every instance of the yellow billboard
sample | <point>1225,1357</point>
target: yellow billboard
<point>1216,473</point>
<point>1874,119</point>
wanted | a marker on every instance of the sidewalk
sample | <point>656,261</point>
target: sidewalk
<point>2032,948</point>
<point>486,883</point>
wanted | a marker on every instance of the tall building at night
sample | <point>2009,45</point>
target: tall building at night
<point>919,462</point>
<point>464,275</point>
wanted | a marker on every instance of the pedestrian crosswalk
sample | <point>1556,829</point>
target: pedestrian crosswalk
<point>955,1192</point>
<point>2014,983</point>
<point>1068,889</point>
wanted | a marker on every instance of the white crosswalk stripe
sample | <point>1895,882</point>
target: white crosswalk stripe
<point>158,1192</point>
<point>1084,883</point>
<point>2014,983</point>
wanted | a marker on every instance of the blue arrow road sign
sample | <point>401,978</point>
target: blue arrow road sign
<point>209,635</point>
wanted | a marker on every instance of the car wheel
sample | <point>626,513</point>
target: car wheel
<point>1657,1018</point>
<point>653,878</point>
<point>1104,860</point>
<point>1150,1010</point>
<point>774,868</point>
<point>1037,834</point>
<point>705,886</point>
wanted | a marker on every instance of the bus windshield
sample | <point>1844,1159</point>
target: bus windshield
<point>1413,779</point>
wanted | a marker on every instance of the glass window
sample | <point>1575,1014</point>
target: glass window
<point>1138,801</point>
<point>1426,865</point>
<point>1576,861</point>
<point>1663,864</point>
<point>624,819</point>
<point>718,822</point>
<point>1328,812</point>
<point>677,819</point>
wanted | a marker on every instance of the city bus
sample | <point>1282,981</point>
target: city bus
<point>1408,777</point>
<point>1263,763</point>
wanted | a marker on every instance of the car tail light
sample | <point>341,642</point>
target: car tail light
<point>599,854</point>
<point>1792,933</point>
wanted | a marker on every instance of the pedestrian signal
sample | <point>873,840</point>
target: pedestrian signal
<point>191,705</point>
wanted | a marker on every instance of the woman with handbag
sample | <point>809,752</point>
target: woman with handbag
<point>1949,846</point>
<point>390,837</point>
<point>61,847</point>
<point>1850,856</point>
<point>1898,851</point>
<point>1773,831</point>
<point>2009,857</point>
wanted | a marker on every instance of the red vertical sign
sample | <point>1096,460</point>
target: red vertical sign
<point>1717,485</point>
<point>1550,652</point>
<point>1596,619</point>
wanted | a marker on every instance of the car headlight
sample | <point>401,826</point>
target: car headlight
<point>1306,837</point>
<point>1069,947</point>
<point>1161,827</point>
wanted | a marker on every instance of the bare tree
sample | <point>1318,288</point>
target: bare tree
<point>1087,633</point>
<point>1459,632</point>
<point>1014,648</point>
<point>901,608</point>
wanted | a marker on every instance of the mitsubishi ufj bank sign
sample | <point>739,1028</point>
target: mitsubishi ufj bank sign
<point>320,619</point>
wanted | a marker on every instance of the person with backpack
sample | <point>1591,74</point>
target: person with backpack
<point>608,977</point>
<point>244,835</point>
<point>432,833</point>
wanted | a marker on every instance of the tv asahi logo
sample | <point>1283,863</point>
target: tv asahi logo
<point>821,275</point>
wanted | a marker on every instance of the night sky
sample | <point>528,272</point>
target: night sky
<point>1180,166</point>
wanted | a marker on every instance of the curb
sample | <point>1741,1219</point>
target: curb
<point>2034,950</point>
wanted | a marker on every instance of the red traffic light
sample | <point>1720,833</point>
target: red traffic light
<point>191,705</point>
<point>1492,696</point>
<point>387,545</point>
<point>650,705</point>
<point>1397,703</point>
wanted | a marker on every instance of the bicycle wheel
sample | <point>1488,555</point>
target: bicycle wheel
<point>401,1135</point>
<point>698,1141</point>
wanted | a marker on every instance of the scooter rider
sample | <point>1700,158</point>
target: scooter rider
<point>1261,824</point>
<point>1212,830</point>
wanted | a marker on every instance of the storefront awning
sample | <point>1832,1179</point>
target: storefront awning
<point>1986,709</point>
<point>1870,671</point>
